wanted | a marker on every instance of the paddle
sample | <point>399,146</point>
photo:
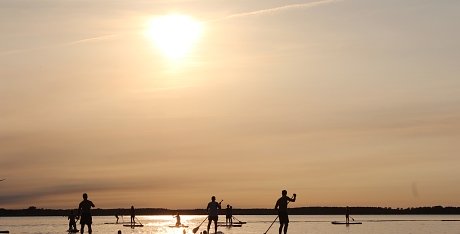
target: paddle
<point>139,221</point>
<point>196,229</point>
<point>275,220</point>
<point>237,219</point>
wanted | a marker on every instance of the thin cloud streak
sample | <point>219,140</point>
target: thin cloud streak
<point>281,8</point>
<point>87,40</point>
<point>65,44</point>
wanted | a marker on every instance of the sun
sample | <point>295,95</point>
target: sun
<point>174,35</point>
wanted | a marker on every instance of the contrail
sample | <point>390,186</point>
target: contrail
<point>64,44</point>
<point>92,39</point>
<point>276,9</point>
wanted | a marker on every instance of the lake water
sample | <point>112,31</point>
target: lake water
<point>256,224</point>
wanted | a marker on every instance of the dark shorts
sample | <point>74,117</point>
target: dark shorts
<point>228,216</point>
<point>86,219</point>
<point>284,218</point>
<point>213,218</point>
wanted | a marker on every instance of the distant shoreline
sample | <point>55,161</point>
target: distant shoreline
<point>33,211</point>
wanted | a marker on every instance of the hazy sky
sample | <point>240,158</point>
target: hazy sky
<point>346,102</point>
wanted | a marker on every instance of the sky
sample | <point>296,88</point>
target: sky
<point>343,102</point>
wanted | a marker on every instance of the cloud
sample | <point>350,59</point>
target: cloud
<point>34,194</point>
<point>281,8</point>
<point>41,195</point>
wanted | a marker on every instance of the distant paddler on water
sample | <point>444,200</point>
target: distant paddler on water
<point>178,223</point>
<point>347,218</point>
<point>347,215</point>
<point>72,222</point>
<point>228,215</point>
<point>132,222</point>
<point>133,216</point>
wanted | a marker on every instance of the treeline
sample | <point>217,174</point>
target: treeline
<point>34,211</point>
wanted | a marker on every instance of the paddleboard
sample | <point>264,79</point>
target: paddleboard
<point>118,223</point>
<point>4,231</point>
<point>340,222</point>
<point>178,226</point>
<point>230,225</point>
<point>133,225</point>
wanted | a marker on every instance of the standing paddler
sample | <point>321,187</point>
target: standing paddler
<point>281,207</point>
<point>213,212</point>
<point>84,211</point>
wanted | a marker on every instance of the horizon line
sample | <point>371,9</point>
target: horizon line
<point>253,208</point>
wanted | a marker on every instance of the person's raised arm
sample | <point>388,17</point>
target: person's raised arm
<point>293,199</point>
<point>219,204</point>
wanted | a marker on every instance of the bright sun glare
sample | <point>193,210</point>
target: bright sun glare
<point>174,35</point>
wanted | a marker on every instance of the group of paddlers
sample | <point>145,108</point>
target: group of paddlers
<point>85,217</point>
<point>84,214</point>
<point>281,206</point>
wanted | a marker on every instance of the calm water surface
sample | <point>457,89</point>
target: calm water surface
<point>300,224</point>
